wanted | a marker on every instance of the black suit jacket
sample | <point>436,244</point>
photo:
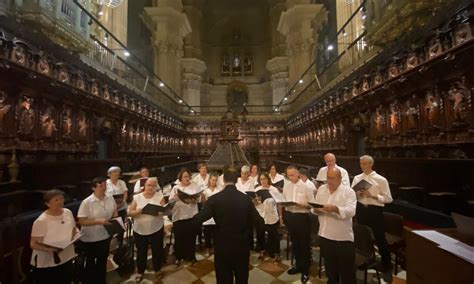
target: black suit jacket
<point>234,214</point>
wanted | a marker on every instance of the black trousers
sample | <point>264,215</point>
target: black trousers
<point>372,216</point>
<point>260,230</point>
<point>185,239</point>
<point>230,265</point>
<point>61,274</point>
<point>339,260</point>
<point>123,214</point>
<point>209,235</point>
<point>142,242</point>
<point>273,243</point>
<point>96,254</point>
<point>299,227</point>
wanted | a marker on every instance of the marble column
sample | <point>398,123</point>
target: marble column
<point>300,23</point>
<point>168,26</point>
<point>278,68</point>
<point>193,70</point>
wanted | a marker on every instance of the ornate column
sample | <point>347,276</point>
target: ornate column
<point>299,23</point>
<point>168,25</point>
<point>192,42</point>
<point>193,69</point>
<point>278,68</point>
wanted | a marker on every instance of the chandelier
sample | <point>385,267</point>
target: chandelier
<point>110,3</point>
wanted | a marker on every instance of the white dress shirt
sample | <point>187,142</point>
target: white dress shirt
<point>311,185</point>
<point>248,185</point>
<point>94,208</point>
<point>379,187</point>
<point>116,189</point>
<point>268,208</point>
<point>297,192</point>
<point>337,226</point>
<point>323,172</point>
<point>181,210</point>
<point>145,224</point>
<point>208,193</point>
<point>200,181</point>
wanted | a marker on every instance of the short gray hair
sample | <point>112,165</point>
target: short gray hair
<point>245,169</point>
<point>367,158</point>
<point>113,169</point>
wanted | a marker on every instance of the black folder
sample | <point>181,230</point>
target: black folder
<point>315,205</point>
<point>154,210</point>
<point>114,227</point>
<point>362,185</point>
<point>279,184</point>
<point>251,194</point>
<point>264,194</point>
<point>183,195</point>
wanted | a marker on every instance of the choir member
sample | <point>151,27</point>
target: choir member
<point>201,179</point>
<point>55,225</point>
<point>182,214</point>
<point>268,210</point>
<point>370,206</point>
<point>210,225</point>
<point>234,215</point>
<point>94,212</point>
<point>254,173</point>
<point>119,191</point>
<point>244,182</point>
<point>304,176</point>
<point>335,228</point>
<point>330,160</point>
<point>298,221</point>
<point>144,173</point>
<point>274,175</point>
<point>148,229</point>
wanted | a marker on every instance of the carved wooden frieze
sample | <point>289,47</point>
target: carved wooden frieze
<point>5,108</point>
<point>25,115</point>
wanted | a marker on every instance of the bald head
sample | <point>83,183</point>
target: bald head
<point>334,178</point>
<point>330,160</point>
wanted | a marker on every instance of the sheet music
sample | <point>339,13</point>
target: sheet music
<point>461,250</point>
<point>436,237</point>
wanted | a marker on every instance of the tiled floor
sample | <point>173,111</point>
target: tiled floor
<point>259,272</point>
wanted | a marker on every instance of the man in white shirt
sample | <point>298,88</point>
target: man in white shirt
<point>330,160</point>
<point>371,202</point>
<point>298,221</point>
<point>335,228</point>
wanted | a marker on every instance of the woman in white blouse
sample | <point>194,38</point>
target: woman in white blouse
<point>210,225</point>
<point>119,191</point>
<point>268,210</point>
<point>55,226</point>
<point>182,216</point>
<point>147,229</point>
<point>275,177</point>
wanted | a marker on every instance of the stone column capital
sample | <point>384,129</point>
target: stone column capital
<point>193,66</point>
<point>277,64</point>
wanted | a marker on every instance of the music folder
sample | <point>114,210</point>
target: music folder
<point>279,184</point>
<point>315,205</point>
<point>251,194</point>
<point>115,226</point>
<point>362,185</point>
<point>62,245</point>
<point>183,195</point>
<point>280,199</point>
<point>264,194</point>
<point>155,210</point>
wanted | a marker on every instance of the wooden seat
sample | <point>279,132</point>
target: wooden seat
<point>394,234</point>
<point>365,251</point>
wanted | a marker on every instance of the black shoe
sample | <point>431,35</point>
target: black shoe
<point>304,277</point>
<point>293,270</point>
<point>387,276</point>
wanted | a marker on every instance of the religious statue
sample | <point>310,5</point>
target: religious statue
<point>365,84</point>
<point>355,90</point>
<point>48,126</point>
<point>80,83</point>
<point>247,65</point>
<point>125,101</point>
<point>4,108</point>
<point>236,66</point>
<point>132,105</point>
<point>43,66</point>
<point>25,115</point>
<point>412,114</point>
<point>394,117</point>
<point>66,122</point>
<point>63,75</point>
<point>82,124</point>
<point>412,60</point>
<point>462,33</point>
<point>435,48</point>
<point>380,120</point>
<point>433,106</point>
<point>19,55</point>
<point>95,88</point>
<point>105,93</point>
<point>378,79</point>
<point>393,70</point>
<point>459,94</point>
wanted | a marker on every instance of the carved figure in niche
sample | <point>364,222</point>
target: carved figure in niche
<point>334,131</point>
<point>67,122</point>
<point>412,114</point>
<point>341,130</point>
<point>125,102</point>
<point>365,84</point>
<point>394,116</point>
<point>412,60</point>
<point>380,121</point>
<point>106,93</point>
<point>43,66</point>
<point>116,99</point>
<point>48,126</point>
<point>247,65</point>
<point>63,75</point>
<point>80,83</point>
<point>347,94</point>
<point>355,90</point>
<point>82,124</point>
<point>462,33</point>
<point>378,79</point>
<point>393,70</point>
<point>25,115</point>
<point>236,67</point>
<point>225,65</point>
<point>132,105</point>
<point>435,48</point>
<point>139,107</point>
<point>433,107</point>
<point>19,55</point>
<point>95,88</point>
<point>4,108</point>
<point>459,94</point>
